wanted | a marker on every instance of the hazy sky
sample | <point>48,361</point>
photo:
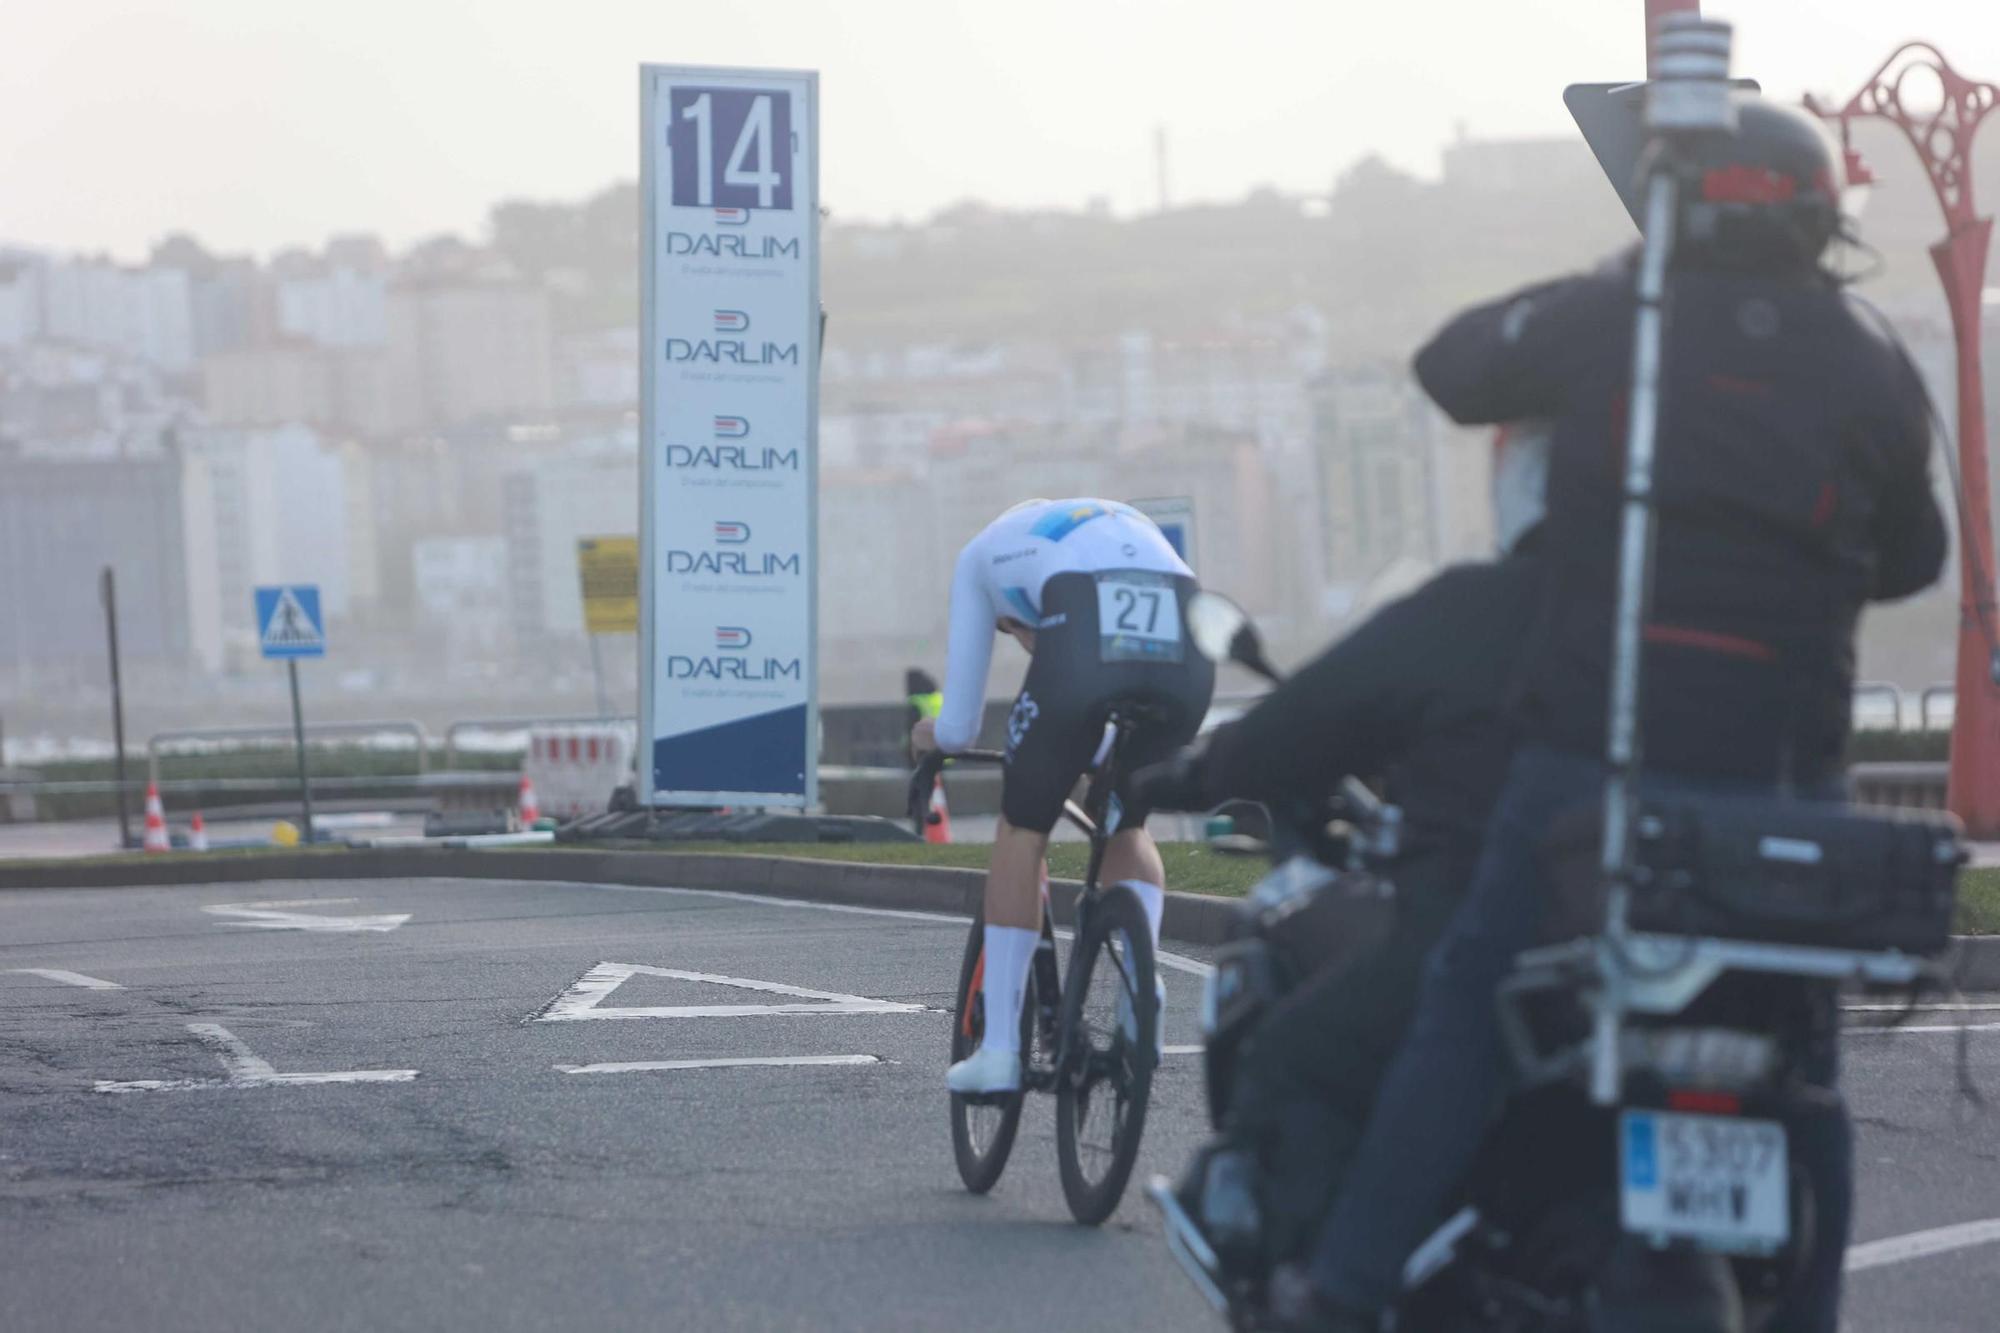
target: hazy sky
<point>262,123</point>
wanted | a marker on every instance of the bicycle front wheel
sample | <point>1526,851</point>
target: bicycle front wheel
<point>982,1128</point>
<point>1111,1022</point>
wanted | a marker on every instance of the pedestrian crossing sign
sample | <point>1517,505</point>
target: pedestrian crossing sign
<point>288,621</point>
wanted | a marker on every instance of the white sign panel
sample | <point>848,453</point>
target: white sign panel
<point>1175,517</point>
<point>729,520</point>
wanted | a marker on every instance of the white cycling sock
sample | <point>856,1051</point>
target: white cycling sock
<point>1010,952</point>
<point>1154,899</point>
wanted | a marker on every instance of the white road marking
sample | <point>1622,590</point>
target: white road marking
<point>1922,1244</point>
<point>68,978</point>
<point>585,999</point>
<point>245,1069</point>
<point>742,1062</point>
<point>1180,1050</point>
<point>1178,962</point>
<point>274,916</point>
<point>1907,1028</point>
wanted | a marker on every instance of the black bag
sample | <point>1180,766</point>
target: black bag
<point>1772,871</point>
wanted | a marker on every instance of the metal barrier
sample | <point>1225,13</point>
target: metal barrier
<point>459,728</point>
<point>400,726</point>
<point>1871,689</point>
<point>1924,703</point>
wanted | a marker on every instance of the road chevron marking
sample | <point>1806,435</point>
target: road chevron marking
<point>68,978</point>
<point>274,916</point>
<point>585,999</point>
<point>1922,1244</point>
<point>245,1069</point>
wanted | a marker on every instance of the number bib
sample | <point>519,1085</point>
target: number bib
<point>1138,617</point>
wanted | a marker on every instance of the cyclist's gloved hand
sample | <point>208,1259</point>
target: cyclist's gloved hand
<point>1181,783</point>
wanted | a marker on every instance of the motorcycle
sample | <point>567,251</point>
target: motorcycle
<point>1683,1202</point>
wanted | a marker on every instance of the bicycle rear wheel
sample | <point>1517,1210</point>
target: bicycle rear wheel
<point>982,1128</point>
<point>1110,1018</point>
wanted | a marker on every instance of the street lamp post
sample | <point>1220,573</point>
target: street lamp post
<point>1943,139</point>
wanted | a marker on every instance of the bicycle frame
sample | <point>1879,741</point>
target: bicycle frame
<point>1092,818</point>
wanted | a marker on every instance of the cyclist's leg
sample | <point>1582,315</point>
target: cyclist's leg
<point>1047,748</point>
<point>1182,691</point>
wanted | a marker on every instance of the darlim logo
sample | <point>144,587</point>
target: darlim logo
<point>729,533</point>
<point>731,321</point>
<point>731,638</point>
<point>734,668</point>
<point>729,245</point>
<point>732,458</point>
<point>732,351</point>
<point>732,217</point>
<point>748,564</point>
<point>731,428</point>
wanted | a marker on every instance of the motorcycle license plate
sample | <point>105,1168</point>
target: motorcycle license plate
<point>1722,1182</point>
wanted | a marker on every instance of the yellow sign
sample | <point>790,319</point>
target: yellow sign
<point>609,568</point>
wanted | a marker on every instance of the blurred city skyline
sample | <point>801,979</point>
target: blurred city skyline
<point>260,128</point>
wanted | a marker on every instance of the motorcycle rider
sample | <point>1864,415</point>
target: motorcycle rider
<point>1414,699</point>
<point>1792,487</point>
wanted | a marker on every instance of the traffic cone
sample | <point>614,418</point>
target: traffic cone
<point>198,834</point>
<point>156,839</point>
<point>531,809</point>
<point>937,828</point>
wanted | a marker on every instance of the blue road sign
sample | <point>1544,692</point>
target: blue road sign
<point>288,621</point>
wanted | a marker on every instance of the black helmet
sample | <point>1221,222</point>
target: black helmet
<point>1766,198</point>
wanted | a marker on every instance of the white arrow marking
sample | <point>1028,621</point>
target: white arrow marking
<point>586,998</point>
<point>1922,1244</point>
<point>743,1062</point>
<point>245,1069</point>
<point>68,978</point>
<point>273,916</point>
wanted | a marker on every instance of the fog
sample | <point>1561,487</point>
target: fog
<point>349,295</point>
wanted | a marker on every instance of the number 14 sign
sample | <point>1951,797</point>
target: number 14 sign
<point>731,147</point>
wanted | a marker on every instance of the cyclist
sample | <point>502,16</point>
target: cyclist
<point>1792,487</point>
<point>1095,594</point>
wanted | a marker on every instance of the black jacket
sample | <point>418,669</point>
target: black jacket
<point>1414,697</point>
<point>1793,487</point>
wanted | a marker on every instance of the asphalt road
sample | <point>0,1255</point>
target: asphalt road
<point>470,1182</point>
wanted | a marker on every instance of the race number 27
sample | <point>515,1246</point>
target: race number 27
<point>730,148</point>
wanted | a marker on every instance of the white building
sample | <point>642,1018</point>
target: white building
<point>261,507</point>
<point>20,301</point>
<point>147,313</point>
<point>548,507</point>
<point>339,308</point>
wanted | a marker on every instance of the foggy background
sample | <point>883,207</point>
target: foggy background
<point>349,295</point>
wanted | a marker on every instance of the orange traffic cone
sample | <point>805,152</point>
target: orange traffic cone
<point>531,809</point>
<point>937,828</point>
<point>156,839</point>
<point>198,834</point>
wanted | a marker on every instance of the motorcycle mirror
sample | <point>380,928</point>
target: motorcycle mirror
<point>1222,632</point>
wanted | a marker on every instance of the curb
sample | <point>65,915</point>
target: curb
<point>1190,918</point>
<point>1973,963</point>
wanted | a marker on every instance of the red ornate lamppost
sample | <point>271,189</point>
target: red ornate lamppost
<point>1943,139</point>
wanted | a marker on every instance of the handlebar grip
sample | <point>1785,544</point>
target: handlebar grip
<point>921,781</point>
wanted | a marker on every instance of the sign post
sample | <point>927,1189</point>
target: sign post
<point>288,628</point>
<point>608,570</point>
<point>728,523</point>
<point>107,593</point>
